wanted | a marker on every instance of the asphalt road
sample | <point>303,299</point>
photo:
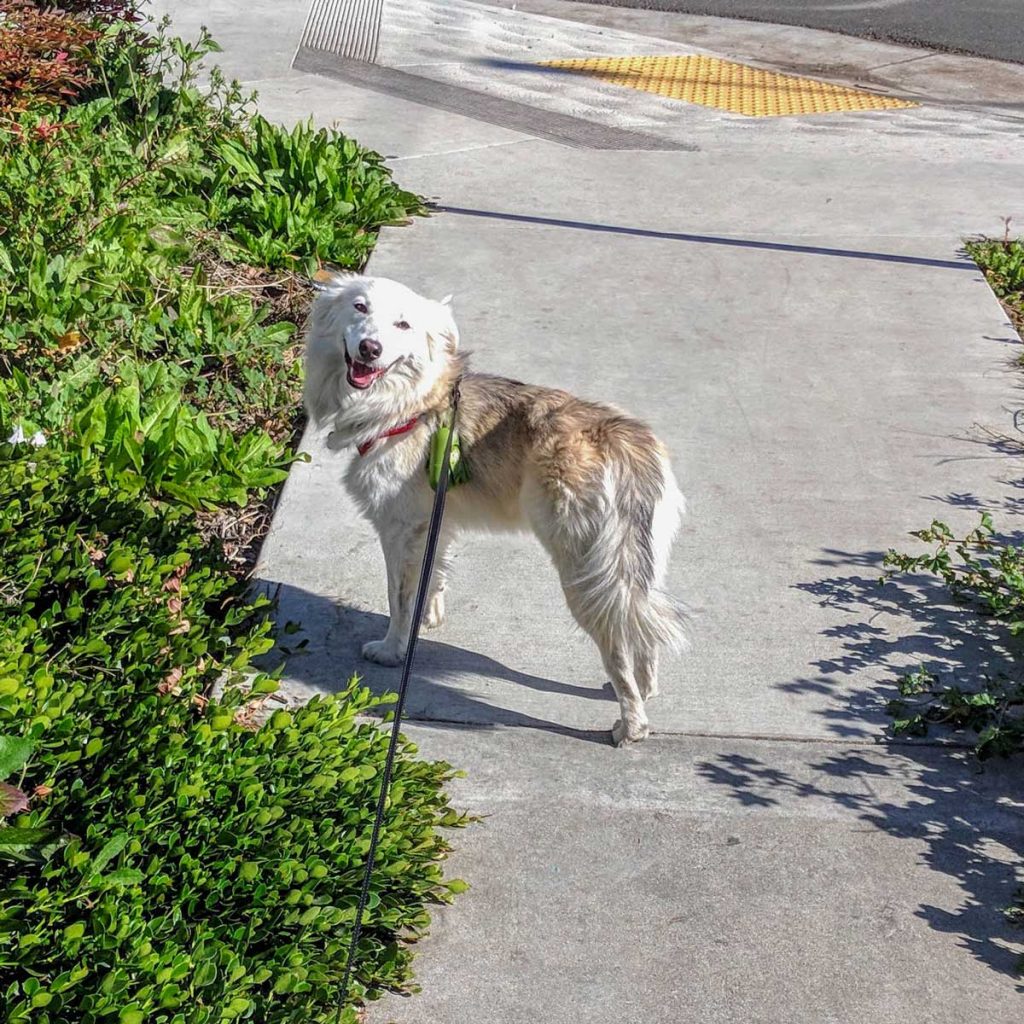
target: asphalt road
<point>986,28</point>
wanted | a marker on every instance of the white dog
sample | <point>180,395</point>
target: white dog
<point>592,483</point>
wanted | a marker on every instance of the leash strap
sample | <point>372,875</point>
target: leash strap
<point>433,533</point>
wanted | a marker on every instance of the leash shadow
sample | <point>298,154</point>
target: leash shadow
<point>318,648</point>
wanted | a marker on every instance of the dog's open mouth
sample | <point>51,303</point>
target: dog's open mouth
<point>362,375</point>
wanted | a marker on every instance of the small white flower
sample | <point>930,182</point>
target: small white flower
<point>38,439</point>
<point>17,436</point>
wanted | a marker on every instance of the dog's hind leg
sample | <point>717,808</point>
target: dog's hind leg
<point>645,665</point>
<point>632,725</point>
<point>595,599</point>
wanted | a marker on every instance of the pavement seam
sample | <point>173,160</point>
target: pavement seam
<point>466,149</point>
<point>885,743</point>
<point>906,60</point>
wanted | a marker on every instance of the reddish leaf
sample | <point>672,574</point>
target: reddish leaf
<point>11,800</point>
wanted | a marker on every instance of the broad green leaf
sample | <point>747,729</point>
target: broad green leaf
<point>120,877</point>
<point>13,836</point>
<point>14,753</point>
<point>109,851</point>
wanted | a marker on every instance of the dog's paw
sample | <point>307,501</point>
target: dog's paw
<point>382,653</point>
<point>624,734</point>
<point>434,616</point>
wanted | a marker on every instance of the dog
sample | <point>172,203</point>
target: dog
<point>594,485</point>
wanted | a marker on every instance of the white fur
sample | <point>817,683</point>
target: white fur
<point>599,551</point>
<point>336,327</point>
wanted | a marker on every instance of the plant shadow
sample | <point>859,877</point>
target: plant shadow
<point>968,821</point>
<point>968,815</point>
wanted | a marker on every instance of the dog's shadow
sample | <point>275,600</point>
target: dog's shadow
<point>319,649</point>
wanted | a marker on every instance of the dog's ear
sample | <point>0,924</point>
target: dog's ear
<point>443,328</point>
<point>328,278</point>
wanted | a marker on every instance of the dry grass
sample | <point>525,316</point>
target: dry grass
<point>286,294</point>
<point>285,297</point>
<point>239,532</point>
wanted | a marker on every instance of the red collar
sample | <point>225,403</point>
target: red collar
<point>393,432</point>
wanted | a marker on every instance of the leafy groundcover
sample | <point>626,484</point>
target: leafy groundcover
<point>984,572</point>
<point>1002,261</point>
<point>980,570</point>
<point>163,857</point>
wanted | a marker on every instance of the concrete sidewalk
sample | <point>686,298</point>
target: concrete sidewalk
<point>786,302</point>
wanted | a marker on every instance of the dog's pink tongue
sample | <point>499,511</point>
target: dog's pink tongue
<point>361,373</point>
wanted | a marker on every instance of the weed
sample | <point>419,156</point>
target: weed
<point>1002,261</point>
<point>989,576</point>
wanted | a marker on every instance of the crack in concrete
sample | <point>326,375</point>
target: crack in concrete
<point>463,149</point>
<point>906,60</point>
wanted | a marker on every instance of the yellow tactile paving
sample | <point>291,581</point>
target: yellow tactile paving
<point>726,85</point>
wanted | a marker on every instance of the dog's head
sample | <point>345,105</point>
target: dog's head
<point>374,341</point>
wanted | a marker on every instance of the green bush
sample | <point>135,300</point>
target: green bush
<point>114,214</point>
<point>281,194</point>
<point>1002,261</point>
<point>175,863</point>
<point>193,861</point>
<point>989,576</point>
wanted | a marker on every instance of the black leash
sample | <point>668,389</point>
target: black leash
<point>433,532</point>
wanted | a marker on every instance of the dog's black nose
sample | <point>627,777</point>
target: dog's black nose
<point>369,348</point>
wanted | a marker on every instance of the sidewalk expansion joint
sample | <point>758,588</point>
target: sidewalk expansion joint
<point>905,60</point>
<point>462,149</point>
<point>596,735</point>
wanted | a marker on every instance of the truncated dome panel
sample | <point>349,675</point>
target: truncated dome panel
<point>726,85</point>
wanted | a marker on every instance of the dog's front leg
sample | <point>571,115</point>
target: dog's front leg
<point>434,616</point>
<point>401,572</point>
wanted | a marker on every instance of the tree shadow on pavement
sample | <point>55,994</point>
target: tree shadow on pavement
<point>968,818</point>
<point>907,622</point>
<point>968,824</point>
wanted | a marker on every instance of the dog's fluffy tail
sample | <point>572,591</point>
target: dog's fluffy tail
<point>619,589</point>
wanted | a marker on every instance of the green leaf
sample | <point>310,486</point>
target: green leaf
<point>205,974</point>
<point>14,836</point>
<point>109,851</point>
<point>14,753</point>
<point>121,877</point>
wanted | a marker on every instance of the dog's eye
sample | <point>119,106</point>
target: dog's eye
<point>402,325</point>
<point>360,307</point>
